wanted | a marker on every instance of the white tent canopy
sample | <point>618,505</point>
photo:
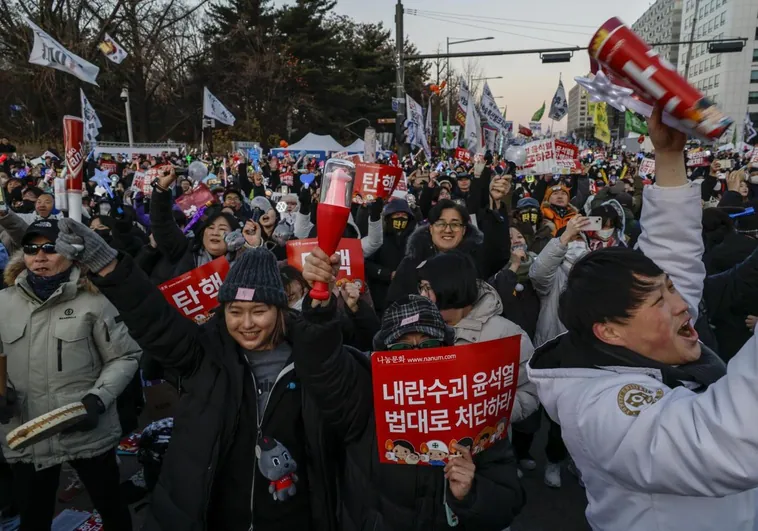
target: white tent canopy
<point>313,142</point>
<point>359,146</point>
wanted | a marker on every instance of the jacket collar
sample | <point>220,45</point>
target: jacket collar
<point>570,356</point>
<point>67,291</point>
<point>488,304</point>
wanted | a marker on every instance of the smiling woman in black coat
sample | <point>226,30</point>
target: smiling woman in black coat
<point>245,392</point>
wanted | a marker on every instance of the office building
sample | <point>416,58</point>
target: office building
<point>729,79</point>
<point>662,23</point>
<point>579,116</point>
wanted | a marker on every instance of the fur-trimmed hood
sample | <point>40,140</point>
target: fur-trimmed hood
<point>420,246</point>
<point>16,266</point>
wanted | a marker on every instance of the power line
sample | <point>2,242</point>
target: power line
<point>496,31</point>
<point>425,12</point>
<point>481,21</point>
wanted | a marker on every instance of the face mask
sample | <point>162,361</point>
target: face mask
<point>576,250</point>
<point>753,179</point>
<point>518,247</point>
<point>299,304</point>
<point>399,224</point>
<point>604,234</point>
<point>105,234</point>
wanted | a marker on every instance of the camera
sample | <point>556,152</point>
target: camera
<point>124,94</point>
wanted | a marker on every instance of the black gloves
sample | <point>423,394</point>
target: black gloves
<point>375,210</point>
<point>7,406</point>
<point>95,408</point>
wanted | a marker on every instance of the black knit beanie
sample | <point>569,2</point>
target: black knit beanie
<point>254,277</point>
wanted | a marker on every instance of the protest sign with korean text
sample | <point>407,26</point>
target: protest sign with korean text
<point>427,400</point>
<point>375,181</point>
<point>565,150</point>
<point>647,167</point>
<point>754,159</point>
<point>109,166</point>
<point>698,159</point>
<point>462,155</point>
<point>195,293</point>
<point>352,268</point>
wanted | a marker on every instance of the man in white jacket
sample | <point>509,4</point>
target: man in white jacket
<point>664,436</point>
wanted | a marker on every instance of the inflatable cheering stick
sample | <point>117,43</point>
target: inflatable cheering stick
<point>333,212</point>
<point>629,61</point>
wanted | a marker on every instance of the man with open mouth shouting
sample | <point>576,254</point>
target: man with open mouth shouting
<point>663,435</point>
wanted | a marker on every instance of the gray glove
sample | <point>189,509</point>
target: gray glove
<point>78,243</point>
<point>234,241</point>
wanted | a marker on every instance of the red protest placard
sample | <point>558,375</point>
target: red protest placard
<point>198,197</point>
<point>141,184</point>
<point>195,292</point>
<point>427,400</point>
<point>564,150</point>
<point>463,155</point>
<point>697,159</point>
<point>286,178</point>
<point>109,166</point>
<point>375,181</point>
<point>352,268</point>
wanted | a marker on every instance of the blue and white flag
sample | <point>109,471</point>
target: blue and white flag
<point>559,106</point>
<point>750,132</point>
<point>89,117</point>
<point>414,124</point>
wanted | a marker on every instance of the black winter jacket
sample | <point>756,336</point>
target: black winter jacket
<point>489,248</point>
<point>730,297</point>
<point>381,264</point>
<point>382,497</point>
<point>203,482</point>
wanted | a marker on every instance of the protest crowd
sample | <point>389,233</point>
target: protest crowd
<point>375,341</point>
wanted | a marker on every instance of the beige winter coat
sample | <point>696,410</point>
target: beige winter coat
<point>59,351</point>
<point>484,323</point>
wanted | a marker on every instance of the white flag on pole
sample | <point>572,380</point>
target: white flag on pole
<point>112,50</point>
<point>749,128</point>
<point>414,124</point>
<point>91,121</point>
<point>213,108</point>
<point>491,114</point>
<point>428,124</point>
<point>559,107</point>
<point>473,138</point>
<point>49,52</point>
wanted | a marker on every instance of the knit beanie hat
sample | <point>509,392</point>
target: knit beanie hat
<point>254,277</point>
<point>412,313</point>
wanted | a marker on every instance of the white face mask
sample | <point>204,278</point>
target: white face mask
<point>576,250</point>
<point>753,179</point>
<point>604,234</point>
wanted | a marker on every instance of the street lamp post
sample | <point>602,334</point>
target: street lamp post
<point>449,44</point>
<point>471,81</point>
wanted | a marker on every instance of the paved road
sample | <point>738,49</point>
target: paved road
<point>546,509</point>
<point>551,509</point>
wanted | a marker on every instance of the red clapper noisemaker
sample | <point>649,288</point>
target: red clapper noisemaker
<point>333,212</point>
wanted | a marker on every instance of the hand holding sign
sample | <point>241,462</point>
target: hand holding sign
<point>460,471</point>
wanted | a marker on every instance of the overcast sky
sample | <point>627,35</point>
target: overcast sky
<point>526,81</point>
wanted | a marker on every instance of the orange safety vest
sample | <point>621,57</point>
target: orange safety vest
<point>548,214</point>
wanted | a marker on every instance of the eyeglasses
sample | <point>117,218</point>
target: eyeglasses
<point>427,343</point>
<point>33,248</point>
<point>455,226</point>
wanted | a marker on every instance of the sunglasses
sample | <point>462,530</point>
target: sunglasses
<point>34,248</point>
<point>427,343</point>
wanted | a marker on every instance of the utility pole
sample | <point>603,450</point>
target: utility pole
<point>400,78</point>
<point>692,38</point>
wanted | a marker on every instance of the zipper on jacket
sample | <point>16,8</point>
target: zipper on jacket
<point>258,432</point>
<point>60,355</point>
